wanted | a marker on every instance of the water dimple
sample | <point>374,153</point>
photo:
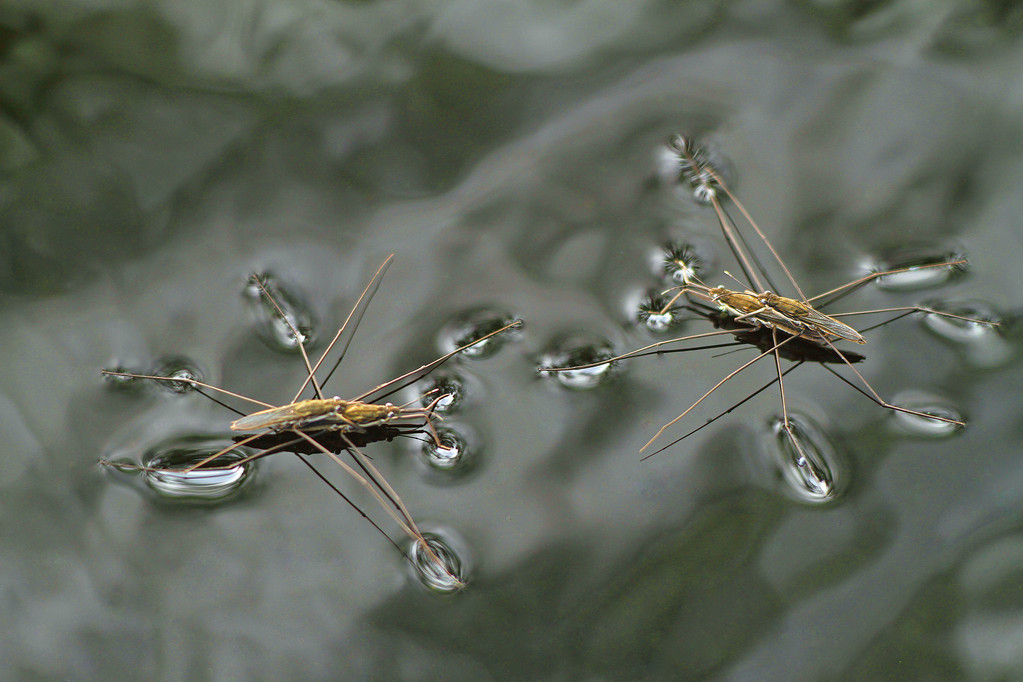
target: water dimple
<point>693,166</point>
<point>979,335</point>
<point>448,576</point>
<point>162,469</point>
<point>176,368</point>
<point>574,352</point>
<point>682,261</point>
<point>272,321</point>
<point>651,313</point>
<point>120,382</point>
<point>448,386</point>
<point>921,267</point>
<point>808,470</point>
<point>453,453</point>
<point>474,324</point>
<point>949,420</point>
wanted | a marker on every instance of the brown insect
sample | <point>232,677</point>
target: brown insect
<point>310,423</point>
<point>786,326</point>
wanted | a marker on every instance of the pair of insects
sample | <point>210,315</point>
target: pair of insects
<point>779,326</point>
<point>330,425</point>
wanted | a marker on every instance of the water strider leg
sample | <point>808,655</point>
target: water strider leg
<point>714,388</point>
<point>294,332</point>
<point>633,353</point>
<point>367,294</point>
<point>880,401</point>
<point>400,514</point>
<point>193,382</point>
<point>434,364</point>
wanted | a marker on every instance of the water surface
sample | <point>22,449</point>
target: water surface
<point>154,157</point>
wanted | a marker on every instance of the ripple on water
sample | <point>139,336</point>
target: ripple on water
<point>474,324</point>
<point>455,569</point>
<point>810,472</point>
<point>272,320</point>
<point>920,425</point>
<point>922,267</point>
<point>591,358</point>
<point>161,470</point>
<point>176,368</point>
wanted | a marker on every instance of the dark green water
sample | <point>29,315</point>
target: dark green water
<point>153,158</point>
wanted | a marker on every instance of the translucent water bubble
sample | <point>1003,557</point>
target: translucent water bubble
<point>176,368</point>
<point>693,166</point>
<point>943,426</point>
<point>805,458</point>
<point>920,267</point>
<point>453,454</point>
<point>451,573</point>
<point>163,469</point>
<point>272,321</point>
<point>979,335</point>
<point>474,324</point>
<point>591,358</point>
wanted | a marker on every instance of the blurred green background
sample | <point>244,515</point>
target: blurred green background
<point>155,153</point>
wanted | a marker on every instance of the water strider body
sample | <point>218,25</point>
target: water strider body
<point>787,314</point>
<point>334,414</point>
<point>331,426</point>
<point>780,327</point>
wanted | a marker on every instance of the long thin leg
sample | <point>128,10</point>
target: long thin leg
<point>438,362</point>
<point>749,219</point>
<point>226,450</point>
<point>918,309</point>
<point>363,482</point>
<point>294,332</point>
<point>404,518</point>
<point>714,388</point>
<point>688,287</point>
<point>374,280</point>
<point>721,414</point>
<point>880,401</point>
<point>786,424</point>
<point>736,246</point>
<point>874,275</point>
<point>350,503</point>
<point>193,382</point>
<point>633,353</point>
<point>235,463</point>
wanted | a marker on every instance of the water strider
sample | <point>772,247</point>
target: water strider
<point>789,327</point>
<point>330,426</point>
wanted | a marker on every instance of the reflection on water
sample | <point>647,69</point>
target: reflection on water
<point>453,555</point>
<point>912,268</point>
<point>585,363</point>
<point>513,156</point>
<point>924,404</point>
<point>805,459</point>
